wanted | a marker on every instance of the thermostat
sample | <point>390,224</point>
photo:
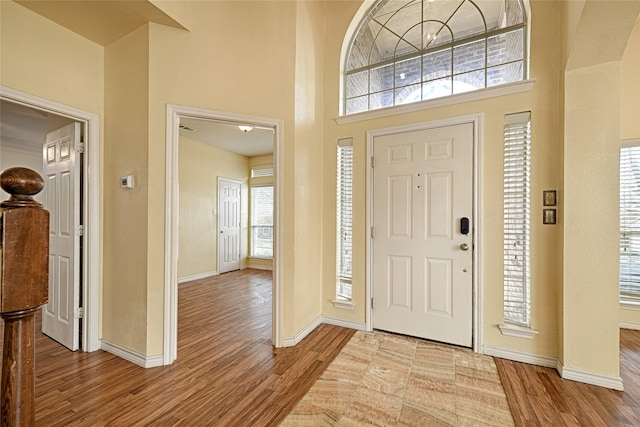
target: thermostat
<point>126,181</point>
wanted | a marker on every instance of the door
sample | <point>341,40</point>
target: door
<point>422,261</point>
<point>228,225</point>
<point>61,317</point>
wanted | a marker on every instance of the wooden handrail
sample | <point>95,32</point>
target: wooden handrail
<point>24,274</point>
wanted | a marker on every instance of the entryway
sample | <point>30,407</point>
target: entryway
<point>423,231</point>
<point>76,297</point>
<point>241,123</point>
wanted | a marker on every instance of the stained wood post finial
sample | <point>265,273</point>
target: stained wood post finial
<point>22,184</point>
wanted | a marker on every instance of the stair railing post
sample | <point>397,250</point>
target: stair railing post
<point>24,277</point>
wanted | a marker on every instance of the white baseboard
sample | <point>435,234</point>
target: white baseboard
<point>130,355</point>
<point>630,325</point>
<point>592,378</point>
<point>291,341</point>
<point>344,323</point>
<point>197,277</point>
<point>554,363</point>
<point>259,267</point>
<point>519,356</point>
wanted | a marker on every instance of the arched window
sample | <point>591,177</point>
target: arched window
<point>412,50</point>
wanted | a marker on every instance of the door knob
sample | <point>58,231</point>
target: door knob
<point>464,247</point>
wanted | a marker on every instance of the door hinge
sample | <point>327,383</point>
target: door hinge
<point>80,230</point>
<point>372,232</point>
<point>80,147</point>
<point>78,313</point>
<point>372,161</point>
<point>371,303</point>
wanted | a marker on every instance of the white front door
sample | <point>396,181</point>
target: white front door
<point>61,317</point>
<point>228,225</point>
<point>422,260</point>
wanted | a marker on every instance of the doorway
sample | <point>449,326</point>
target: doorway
<point>89,277</point>
<point>176,114</point>
<point>423,251</point>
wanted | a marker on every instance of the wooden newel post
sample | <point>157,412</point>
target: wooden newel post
<point>24,273</point>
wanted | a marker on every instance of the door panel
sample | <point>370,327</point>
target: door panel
<point>229,225</point>
<point>62,171</point>
<point>422,278</point>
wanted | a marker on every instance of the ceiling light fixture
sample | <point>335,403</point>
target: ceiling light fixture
<point>245,129</point>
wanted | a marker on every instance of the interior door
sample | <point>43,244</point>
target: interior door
<point>61,316</point>
<point>229,216</point>
<point>422,260</point>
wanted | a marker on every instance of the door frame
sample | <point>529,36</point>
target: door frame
<point>91,204</point>
<point>174,114</point>
<point>476,121</point>
<point>220,255</point>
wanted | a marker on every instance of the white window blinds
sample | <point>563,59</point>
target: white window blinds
<point>259,171</point>
<point>630,222</point>
<point>517,217</point>
<point>262,221</point>
<point>344,238</point>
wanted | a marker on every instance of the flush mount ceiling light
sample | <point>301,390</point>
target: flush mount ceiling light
<point>245,129</point>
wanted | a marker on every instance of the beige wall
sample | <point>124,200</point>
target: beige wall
<point>307,155</point>
<point>592,114</point>
<point>43,58</point>
<point>199,167</point>
<point>125,243</point>
<point>630,96</point>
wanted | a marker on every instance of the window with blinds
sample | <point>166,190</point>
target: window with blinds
<point>344,238</point>
<point>630,222</point>
<point>262,221</point>
<point>517,217</point>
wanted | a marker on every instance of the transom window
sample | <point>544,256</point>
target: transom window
<point>412,50</point>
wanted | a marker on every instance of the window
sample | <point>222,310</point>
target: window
<point>344,236</point>
<point>261,171</point>
<point>414,50</point>
<point>517,218</point>
<point>630,223</point>
<point>262,221</point>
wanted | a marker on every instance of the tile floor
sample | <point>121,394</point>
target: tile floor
<point>380,379</point>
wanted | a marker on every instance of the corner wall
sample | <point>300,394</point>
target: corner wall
<point>126,145</point>
<point>200,166</point>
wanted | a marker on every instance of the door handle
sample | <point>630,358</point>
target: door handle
<point>464,247</point>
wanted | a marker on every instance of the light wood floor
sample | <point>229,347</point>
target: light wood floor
<point>228,374</point>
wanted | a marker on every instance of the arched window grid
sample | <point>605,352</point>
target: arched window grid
<point>391,93</point>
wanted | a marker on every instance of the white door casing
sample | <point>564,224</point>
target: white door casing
<point>61,166</point>
<point>229,216</point>
<point>422,277</point>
